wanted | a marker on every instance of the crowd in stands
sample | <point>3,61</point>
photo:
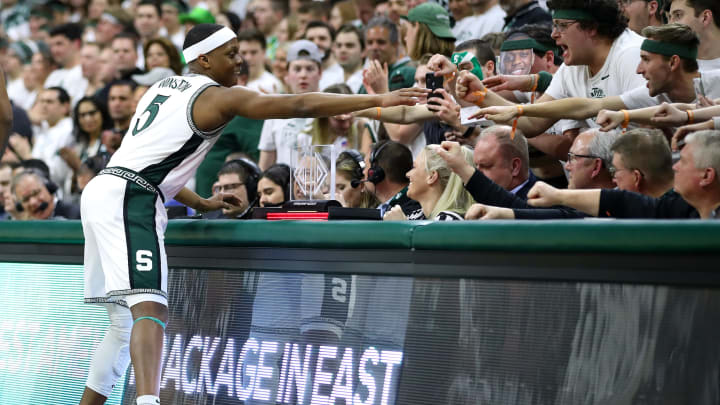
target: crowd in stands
<point>538,110</point>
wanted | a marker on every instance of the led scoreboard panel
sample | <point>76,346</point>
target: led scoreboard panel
<point>403,313</point>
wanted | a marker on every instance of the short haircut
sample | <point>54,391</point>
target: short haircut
<point>122,82</point>
<point>395,159</point>
<point>609,22</point>
<point>71,31</point>
<point>646,150</point>
<point>349,28</point>
<point>701,5</point>
<point>126,35</point>
<point>320,24</point>
<point>482,49</point>
<point>427,42</point>
<point>282,6</point>
<point>200,32</point>
<point>30,172</point>
<point>601,145</point>
<point>541,33</point>
<point>252,35</point>
<point>510,146</point>
<point>63,96</point>
<point>678,34</point>
<point>388,24</point>
<point>153,3</point>
<point>707,150</point>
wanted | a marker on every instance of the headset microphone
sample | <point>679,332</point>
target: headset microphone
<point>43,206</point>
<point>355,183</point>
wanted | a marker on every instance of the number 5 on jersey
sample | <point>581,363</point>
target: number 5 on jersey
<point>153,109</point>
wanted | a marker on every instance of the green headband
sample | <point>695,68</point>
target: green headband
<point>460,57</point>
<point>527,43</point>
<point>668,49</point>
<point>573,14</point>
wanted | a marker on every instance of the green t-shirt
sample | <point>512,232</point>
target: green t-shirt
<point>240,135</point>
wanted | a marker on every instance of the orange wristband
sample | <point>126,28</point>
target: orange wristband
<point>626,120</point>
<point>481,97</point>
<point>515,122</point>
<point>450,77</point>
<point>520,109</point>
<point>691,116</point>
<point>379,113</point>
<point>536,80</point>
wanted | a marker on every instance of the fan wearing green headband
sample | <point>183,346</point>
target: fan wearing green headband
<point>667,63</point>
<point>600,55</point>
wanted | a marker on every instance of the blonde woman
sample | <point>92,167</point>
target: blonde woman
<point>439,191</point>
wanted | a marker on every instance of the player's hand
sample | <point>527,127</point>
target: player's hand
<point>446,108</point>
<point>223,201</point>
<point>482,211</point>
<point>504,113</point>
<point>467,85</point>
<point>395,214</point>
<point>544,195</point>
<point>609,120</point>
<point>441,65</point>
<point>508,82</point>
<point>409,96</point>
<point>683,131</point>
<point>375,78</point>
<point>667,114</point>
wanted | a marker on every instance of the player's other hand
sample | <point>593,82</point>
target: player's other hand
<point>223,201</point>
<point>409,96</point>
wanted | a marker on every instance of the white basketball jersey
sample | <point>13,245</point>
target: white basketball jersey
<point>163,144</point>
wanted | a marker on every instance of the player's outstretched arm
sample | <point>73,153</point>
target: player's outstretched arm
<point>5,114</point>
<point>401,114</point>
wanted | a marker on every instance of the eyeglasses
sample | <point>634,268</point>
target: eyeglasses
<point>614,171</point>
<point>572,156</point>
<point>561,27</point>
<point>227,187</point>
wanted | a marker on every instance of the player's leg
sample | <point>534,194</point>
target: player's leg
<point>146,345</point>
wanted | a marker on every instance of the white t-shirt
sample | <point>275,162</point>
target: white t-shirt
<point>283,137</point>
<point>20,95</point>
<point>711,83</point>
<point>463,29</point>
<point>71,80</point>
<point>355,81</point>
<point>708,64</point>
<point>616,76</point>
<point>267,82</point>
<point>332,75</point>
<point>46,143</point>
<point>492,20</point>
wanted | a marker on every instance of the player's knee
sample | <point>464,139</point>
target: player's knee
<point>112,356</point>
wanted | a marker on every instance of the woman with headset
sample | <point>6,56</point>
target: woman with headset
<point>349,185</point>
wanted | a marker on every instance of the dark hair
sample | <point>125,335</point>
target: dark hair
<point>541,33</point>
<point>348,27</point>
<point>678,34</point>
<point>122,82</point>
<point>200,32</point>
<point>153,3</point>
<point>395,160</point>
<point>127,35</point>
<point>71,31</point>
<point>37,165</point>
<point>701,5</point>
<point>482,49</point>
<point>170,50</point>
<point>384,22</point>
<point>81,135</point>
<point>610,21</point>
<point>63,96</point>
<point>234,19</point>
<point>252,35</point>
<point>279,174</point>
<point>320,24</point>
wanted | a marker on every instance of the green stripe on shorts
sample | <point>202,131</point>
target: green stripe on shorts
<point>143,247</point>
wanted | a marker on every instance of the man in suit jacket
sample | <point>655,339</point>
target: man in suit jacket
<point>503,157</point>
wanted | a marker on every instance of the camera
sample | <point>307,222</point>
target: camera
<point>433,83</point>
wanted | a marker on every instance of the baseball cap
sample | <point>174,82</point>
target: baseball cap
<point>434,16</point>
<point>154,75</point>
<point>304,49</point>
<point>198,15</point>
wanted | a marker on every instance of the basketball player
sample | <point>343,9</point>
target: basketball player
<point>177,121</point>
